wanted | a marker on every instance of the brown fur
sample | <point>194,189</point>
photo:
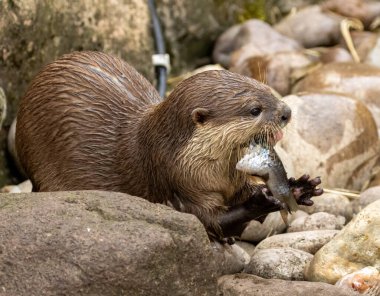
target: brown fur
<point>90,121</point>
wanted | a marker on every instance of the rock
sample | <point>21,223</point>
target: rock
<point>331,203</point>
<point>355,247</point>
<point>369,196</point>
<point>225,45</point>
<point>308,241</point>
<point>101,243</point>
<point>256,231</point>
<point>252,38</point>
<point>367,46</point>
<point>277,9</point>
<point>375,176</point>
<point>276,70</point>
<point>365,281</point>
<point>230,258</point>
<point>334,55</point>
<point>296,215</point>
<point>331,135</point>
<point>360,81</point>
<point>174,81</point>
<point>25,186</point>
<point>311,27</point>
<point>246,246</point>
<point>365,11</point>
<point>251,285</point>
<point>285,264</point>
<point>317,221</point>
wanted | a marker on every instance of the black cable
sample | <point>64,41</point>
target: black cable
<point>161,71</point>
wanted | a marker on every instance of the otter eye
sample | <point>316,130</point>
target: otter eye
<point>256,111</point>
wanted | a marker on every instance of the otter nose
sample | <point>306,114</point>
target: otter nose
<point>285,115</point>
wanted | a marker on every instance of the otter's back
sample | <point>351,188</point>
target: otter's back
<point>72,118</point>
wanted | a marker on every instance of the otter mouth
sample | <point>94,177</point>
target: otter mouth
<point>267,139</point>
<point>258,154</point>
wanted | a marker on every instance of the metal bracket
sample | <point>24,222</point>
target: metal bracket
<point>162,60</point>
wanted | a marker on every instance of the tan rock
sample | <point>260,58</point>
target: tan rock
<point>317,221</point>
<point>280,263</point>
<point>253,37</point>
<point>369,196</point>
<point>311,27</point>
<point>246,246</point>
<point>360,81</point>
<point>366,46</point>
<point>364,281</point>
<point>296,215</point>
<point>331,135</point>
<point>375,175</point>
<point>331,203</point>
<point>256,231</point>
<point>25,186</point>
<point>308,241</point>
<point>276,70</point>
<point>355,247</point>
<point>334,54</point>
<point>231,258</point>
<point>365,11</point>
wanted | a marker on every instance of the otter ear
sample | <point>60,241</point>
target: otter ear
<point>200,115</point>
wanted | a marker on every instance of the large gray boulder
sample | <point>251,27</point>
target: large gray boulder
<point>100,243</point>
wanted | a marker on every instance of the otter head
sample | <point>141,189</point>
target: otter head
<point>226,111</point>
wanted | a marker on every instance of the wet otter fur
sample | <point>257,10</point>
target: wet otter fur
<point>89,121</point>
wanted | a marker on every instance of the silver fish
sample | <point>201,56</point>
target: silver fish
<point>264,162</point>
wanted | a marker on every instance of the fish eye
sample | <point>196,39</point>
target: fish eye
<point>256,111</point>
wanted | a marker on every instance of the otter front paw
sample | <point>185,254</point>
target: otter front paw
<point>262,203</point>
<point>305,188</point>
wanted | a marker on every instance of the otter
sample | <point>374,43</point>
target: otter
<point>90,121</point>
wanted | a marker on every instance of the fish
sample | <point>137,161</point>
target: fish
<point>263,161</point>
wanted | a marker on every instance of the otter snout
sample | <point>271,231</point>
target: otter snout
<point>284,115</point>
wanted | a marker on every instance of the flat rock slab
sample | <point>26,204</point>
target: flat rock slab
<point>100,243</point>
<point>251,285</point>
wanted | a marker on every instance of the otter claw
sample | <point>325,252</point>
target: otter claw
<point>272,199</point>
<point>304,189</point>
<point>316,181</point>
<point>228,240</point>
